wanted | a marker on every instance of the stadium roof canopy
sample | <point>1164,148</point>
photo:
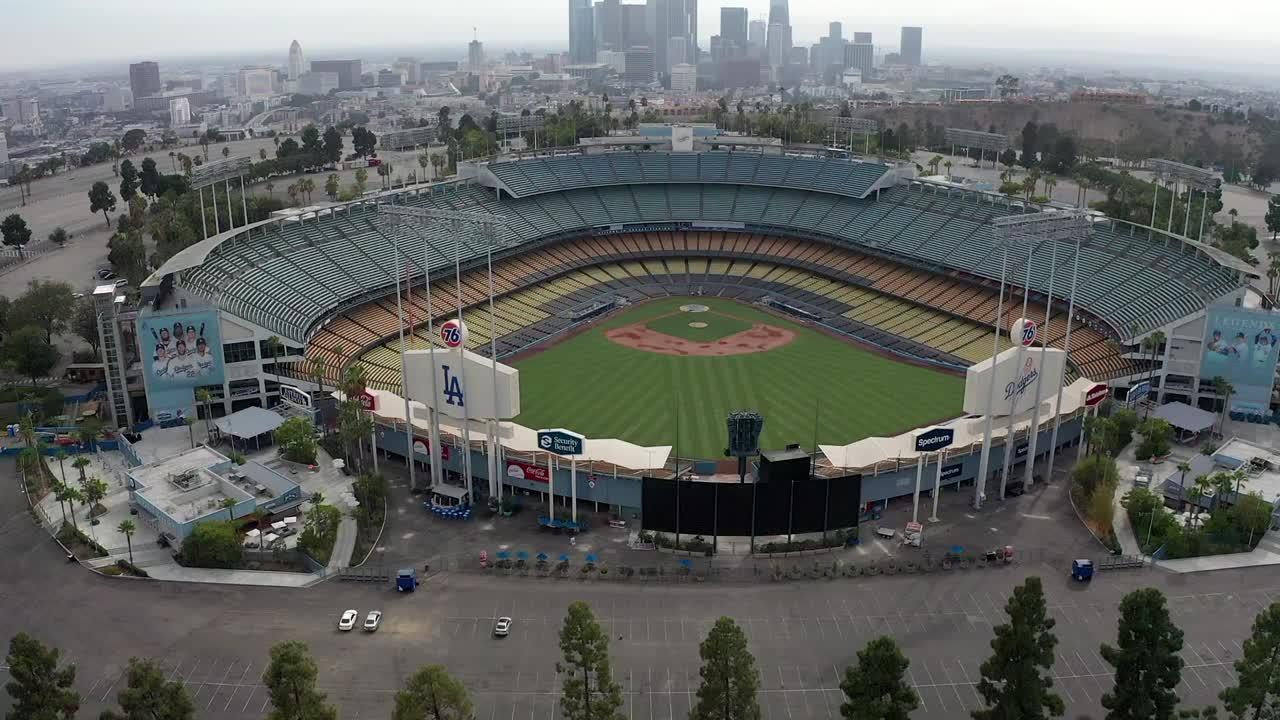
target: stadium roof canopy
<point>868,453</point>
<point>249,423</point>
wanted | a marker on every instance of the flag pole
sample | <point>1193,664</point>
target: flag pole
<point>408,416</point>
<point>462,365</point>
<point>433,434</point>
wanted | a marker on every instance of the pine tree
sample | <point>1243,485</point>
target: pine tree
<point>40,689</point>
<point>1015,679</point>
<point>876,688</point>
<point>1146,661</point>
<point>433,694</point>
<point>729,676</point>
<point>149,696</point>
<point>290,679</point>
<point>589,690</point>
<point>1256,693</point>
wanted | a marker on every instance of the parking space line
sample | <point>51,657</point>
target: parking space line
<point>947,675</point>
<point>174,673</point>
<point>934,684</point>
<point>803,695</point>
<point>225,675</point>
<point>252,691</point>
<point>1192,668</point>
<point>916,687</point>
<point>1071,672</point>
<point>973,685</point>
<point>1102,689</point>
<point>671,709</point>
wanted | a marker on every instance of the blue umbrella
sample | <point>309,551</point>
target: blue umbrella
<point>564,558</point>
<point>591,558</point>
<point>503,554</point>
<point>542,556</point>
<point>957,549</point>
<point>522,555</point>
<point>686,562</point>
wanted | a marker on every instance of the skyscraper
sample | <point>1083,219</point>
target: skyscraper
<point>475,57</point>
<point>862,37</point>
<point>295,61</point>
<point>835,30</point>
<point>667,19</point>
<point>910,46</point>
<point>733,26</point>
<point>582,32</point>
<point>635,30</point>
<point>608,22</point>
<point>756,33</point>
<point>144,80</point>
<point>861,56</point>
<point>348,71</point>
<point>779,32</point>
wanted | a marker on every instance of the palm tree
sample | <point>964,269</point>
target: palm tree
<point>262,153</point>
<point>1199,490</point>
<point>73,495</point>
<point>437,165</point>
<point>1184,467</point>
<point>934,162</point>
<point>62,455</point>
<point>1151,344</point>
<point>191,431</point>
<point>293,193</point>
<point>1050,182</point>
<point>947,165</point>
<point>226,151</point>
<point>270,189</point>
<point>128,528</point>
<point>1029,186</point>
<point>205,398</point>
<point>331,186</point>
<point>173,160</point>
<point>423,161</point>
<point>60,494</point>
<point>1084,184</point>
<point>80,463</point>
<point>1273,274</point>
<point>274,348</point>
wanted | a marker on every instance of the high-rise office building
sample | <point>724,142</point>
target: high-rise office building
<point>21,110</point>
<point>835,30</point>
<point>608,24</point>
<point>733,25</point>
<point>684,78</point>
<point>779,40</point>
<point>410,68</point>
<point>756,34</point>
<point>910,46</point>
<point>862,37</point>
<point>348,72</point>
<point>635,26</point>
<point>639,66</point>
<point>830,50</point>
<point>861,57</point>
<point>671,18</point>
<point>179,112</point>
<point>4,148</point>
<point>677,50</point>
<point>582,32</point>
<point>295,61</point>
<point>475,57</point>
<point>255,83</point>
<point>144,79</point>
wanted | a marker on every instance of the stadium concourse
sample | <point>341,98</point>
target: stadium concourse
<point>859,249</point>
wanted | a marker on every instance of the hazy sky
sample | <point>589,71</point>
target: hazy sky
<point>44,33</point>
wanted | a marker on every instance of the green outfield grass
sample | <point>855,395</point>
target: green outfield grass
<point>600,389</point>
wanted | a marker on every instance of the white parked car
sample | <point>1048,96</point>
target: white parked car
<point>503,627</point>
<point>372,620</point>
<point>348,620</point>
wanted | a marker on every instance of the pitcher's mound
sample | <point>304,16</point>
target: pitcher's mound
<point>760,338</point>
<point>698,325</point>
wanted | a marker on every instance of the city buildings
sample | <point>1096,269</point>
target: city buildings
<point>862,37</point>
<point>739,72</point>
<point>667,19</point>
<point>144,80</point>
<point>635,28</point>
<point>910,47</point>
<point>179,112</point>
<point>256,83</point>
<point>779,39</point>
<point>608,26</point>
<point>582,34</point>
<point>639,64</point>
<point>410,68</point>
<point>684,78</point>
<point>733,26</point>
<point>4,149</point>
<point>861,57</point>
<point>318,83</point>
<point>21,111</point>
<point>756,30</point>
<point>475,57</point>
<point>296,67</point>
<point>348,72</point>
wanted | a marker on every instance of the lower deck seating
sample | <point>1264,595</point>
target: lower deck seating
<point>949,315</point>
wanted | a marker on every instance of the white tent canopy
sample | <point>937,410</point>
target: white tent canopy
<point>870,451</point>
<point>522,439</point>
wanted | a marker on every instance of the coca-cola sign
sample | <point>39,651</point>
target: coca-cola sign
<point>1096,394</point>
<point>367,400</point>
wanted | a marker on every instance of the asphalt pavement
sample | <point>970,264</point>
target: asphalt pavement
<point>216,638</point>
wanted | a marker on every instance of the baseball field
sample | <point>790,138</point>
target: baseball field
<point>629,375</point>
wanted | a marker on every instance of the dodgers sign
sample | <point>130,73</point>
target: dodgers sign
<point>561,442</point>
<point>935,439</point>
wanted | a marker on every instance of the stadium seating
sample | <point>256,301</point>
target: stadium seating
<point>329,279</point>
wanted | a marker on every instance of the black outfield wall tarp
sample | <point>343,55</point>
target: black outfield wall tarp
<point>705,508</point>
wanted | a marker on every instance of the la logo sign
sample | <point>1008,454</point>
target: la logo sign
<point>1024,332</point>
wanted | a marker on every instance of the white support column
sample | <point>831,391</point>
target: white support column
<point>937,486</point>
<point>984,461</point>
<point>1010,437</point>
<point>551,488</point>
<point>573,485</point>
<point>1032,441</point>
<point>915,496</point>
<point>373,443</point>
<point>1062,378</point>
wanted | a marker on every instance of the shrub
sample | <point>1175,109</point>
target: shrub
<point>212,544</point>
<point>1093,471</point>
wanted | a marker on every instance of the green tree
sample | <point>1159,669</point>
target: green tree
<point>80,463</point>
<point>589,690</point>
<point>85,323</point>
<point>331,186</point>
<point>133,139</point>
<point>46,305</point>
<point>59,236</point>
<point>876,688</point>
<point>311,143</point>
<point>362,179</point>
<point>1256,694</point>
<point>149,178</point>
<point>212,544</point>
<point>226,151</point>
<point>128,529</point>
<point>15,232</point>
<point>149,695</point>
<point>1017,679</point>
<point>128,180</point>
<point>354,424</point>
<point>1223,389</point>
<point>296,438</point>
<point>432,693</point>
<point>1146,661</point>
<point>332,150</point>
<point>41,690</point>
<point>29,355</point>
<point>290,680</point>
<point>101,200</point>
<point>729,676</point>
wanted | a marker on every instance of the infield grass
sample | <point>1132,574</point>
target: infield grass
<point>600,389</point>
<point>718,325</point>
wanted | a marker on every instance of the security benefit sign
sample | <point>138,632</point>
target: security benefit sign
<point>935,439</point>
<point>1015,381</point>
<point>461,384</point>
<point>561,442</point>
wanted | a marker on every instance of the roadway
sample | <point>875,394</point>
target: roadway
<point>216,638</point>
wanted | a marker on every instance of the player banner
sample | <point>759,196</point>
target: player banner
<point>1241,346</point>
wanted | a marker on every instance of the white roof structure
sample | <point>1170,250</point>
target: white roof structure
<point>519,438</point>
<point>867,453</point>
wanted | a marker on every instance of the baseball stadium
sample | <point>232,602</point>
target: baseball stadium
<point>645,293</point>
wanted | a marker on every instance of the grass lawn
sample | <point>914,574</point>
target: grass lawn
<point>718,326</point>
<point>600,389</point>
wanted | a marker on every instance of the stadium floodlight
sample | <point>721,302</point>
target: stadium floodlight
<point>428,222</point>
<point>1193,177</point>
<point>850,126</point>
<point>1012,233</point>
<point>520,124</point>
<point>984,141</point>
<point>221,171</point>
